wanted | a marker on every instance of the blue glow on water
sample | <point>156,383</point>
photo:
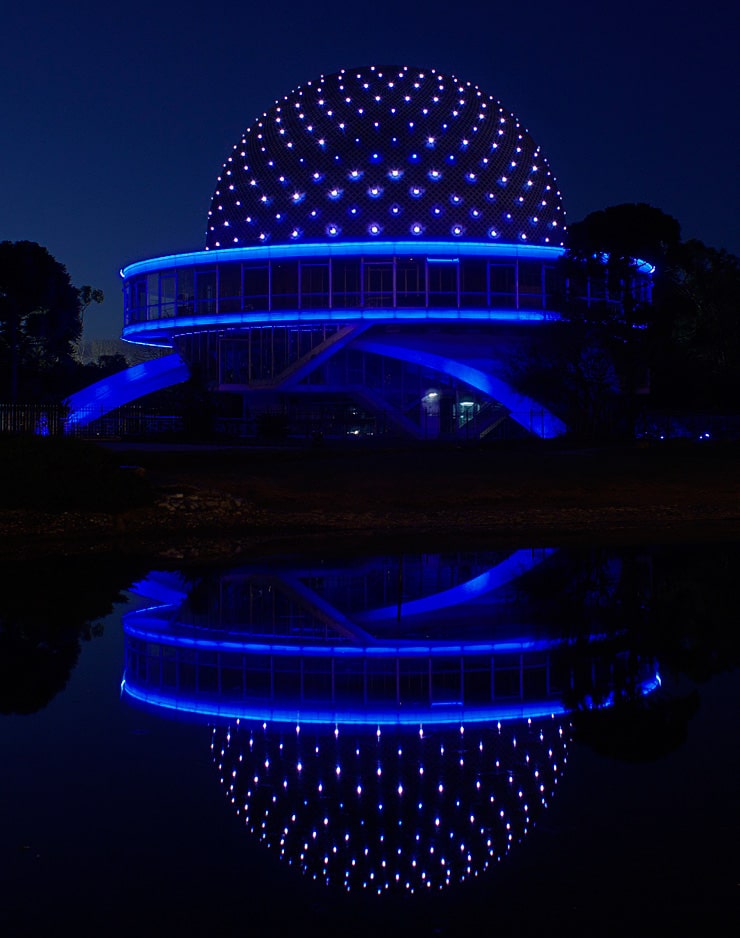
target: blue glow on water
<point>449,664</point>
<point>513,566</point>
<point>223,708</point>
<point>152,624</point>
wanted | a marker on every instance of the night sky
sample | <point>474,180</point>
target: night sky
<point>115,122</point>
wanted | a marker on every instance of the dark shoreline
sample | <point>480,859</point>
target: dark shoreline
<point>214,503</point>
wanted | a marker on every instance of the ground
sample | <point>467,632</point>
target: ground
<point>215,503</point>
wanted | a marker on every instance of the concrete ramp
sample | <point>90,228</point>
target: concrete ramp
<point>104,396</point>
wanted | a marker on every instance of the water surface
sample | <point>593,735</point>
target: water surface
<point>580,706</point>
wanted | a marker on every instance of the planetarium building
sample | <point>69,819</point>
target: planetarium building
<point>382,245</point>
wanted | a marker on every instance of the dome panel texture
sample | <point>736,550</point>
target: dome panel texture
<point>386,153</point>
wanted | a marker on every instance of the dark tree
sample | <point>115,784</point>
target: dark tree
<point>626,232</point>
<point>595,366</point>
<point>42,631</point>
<point>39,321</point>
<point>88,295</point>
<point>609,245</point>
<point>696,347</point>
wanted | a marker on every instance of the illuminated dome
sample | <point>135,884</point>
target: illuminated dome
<point>382,260</point>
<point>390,153</point>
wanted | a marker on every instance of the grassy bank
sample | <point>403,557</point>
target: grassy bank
<point>206,501</point>
<point>57,474</point>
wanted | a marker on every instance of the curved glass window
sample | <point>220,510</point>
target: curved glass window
<point>402,282</point>
<point>410,282</point>
<point>256,287</point>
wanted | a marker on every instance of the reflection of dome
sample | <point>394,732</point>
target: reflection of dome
<point>388,723</point>
<point>391,809</point>
<point>385,152</point>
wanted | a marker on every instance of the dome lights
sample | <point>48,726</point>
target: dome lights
<point>266,180</point>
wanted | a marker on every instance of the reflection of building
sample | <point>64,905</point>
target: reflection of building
<point>382,244</point>
<point>391,724</point>
<point>430,640</point>
<point>398,809</point>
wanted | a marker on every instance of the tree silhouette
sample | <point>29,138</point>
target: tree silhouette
<point>598,364</point>
<point>626,232</point>
<point>39,320</point>
<point>46,615</point>
<point>696,346</point>
<point>88,295</point>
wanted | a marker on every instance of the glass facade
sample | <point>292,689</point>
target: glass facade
<point>320,283</point>
<point>332,679</point>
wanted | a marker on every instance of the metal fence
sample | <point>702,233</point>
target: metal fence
<point>51,420</point>
<point>135,421</point>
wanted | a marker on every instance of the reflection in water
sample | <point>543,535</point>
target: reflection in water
<point>44,622</point>
<point>391,808</point>
<point>395,724</point>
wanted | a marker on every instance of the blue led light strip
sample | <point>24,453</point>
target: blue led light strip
<point>455,713</point>
<point>438,249</point>
<point>152,626</point>
<point>140,331</point>
<point>434,714</point>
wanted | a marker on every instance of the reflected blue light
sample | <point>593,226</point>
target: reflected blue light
<point>148,625</point>
<point>513,566</point>
<point>223,709</point>
<point>474,664</point>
